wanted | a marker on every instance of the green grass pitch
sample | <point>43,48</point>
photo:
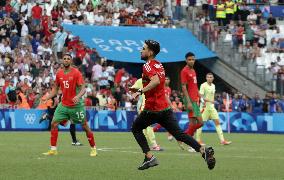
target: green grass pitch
<point>251,156</point>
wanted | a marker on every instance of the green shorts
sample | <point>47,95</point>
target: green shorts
<point>195,112</point>
<point>75,114</point>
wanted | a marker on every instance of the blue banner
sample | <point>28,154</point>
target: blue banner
<point>124,43</point>
<point>277,11</point>
<point>122,120</point>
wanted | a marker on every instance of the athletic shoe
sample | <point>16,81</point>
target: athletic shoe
<point>190,149</point>
<point>147,163</point>
<point>157,148</point>
<point>50,153</point>
<point>208,156</point>
<point>77,143</point>
<point>43,118</point>
<point>181,145</point>
<point>170,138</point>
<point>226,142</point>
<point>93,152</point>
<point>201,143</point>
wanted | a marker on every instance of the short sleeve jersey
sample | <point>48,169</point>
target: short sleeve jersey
<point>68,83</point>
<point>188,77</point>
<point>208,92</point>
<point>155,98</point>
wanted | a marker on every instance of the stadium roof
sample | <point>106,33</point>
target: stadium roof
<point>124,43</point>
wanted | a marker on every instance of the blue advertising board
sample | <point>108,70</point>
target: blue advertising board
<point>277,11</point>
<point>121,120</point>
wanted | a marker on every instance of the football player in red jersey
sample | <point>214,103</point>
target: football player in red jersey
<point>70,81</point>
<point>157,109</point>
<point>191,94</point>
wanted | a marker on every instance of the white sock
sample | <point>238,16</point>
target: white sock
<point>53,148</point>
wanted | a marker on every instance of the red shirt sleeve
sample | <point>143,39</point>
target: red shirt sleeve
<point>183,77</point>
<point>80,79</point>
<point>148,70</point>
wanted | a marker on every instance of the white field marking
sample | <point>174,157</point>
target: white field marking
<point>40,158</point>
<point>121,150</point>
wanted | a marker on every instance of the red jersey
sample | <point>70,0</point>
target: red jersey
<point>188,77</point>
<point>2,98</point>
<point>45,23</point>
<point>118,76</point>
<point>155,98</point>
<point>168,91</point>
<point>36,12</point>
<point>68,83</point>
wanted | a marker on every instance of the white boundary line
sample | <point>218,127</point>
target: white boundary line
<point>128,150</point>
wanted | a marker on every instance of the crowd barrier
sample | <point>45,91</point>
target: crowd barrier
<point>121,120</point>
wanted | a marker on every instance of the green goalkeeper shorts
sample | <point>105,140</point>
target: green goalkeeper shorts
<point>75,114</point>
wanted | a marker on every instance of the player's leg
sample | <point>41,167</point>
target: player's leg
<point>90,137</point>
<point>205,117</point>
<point>194,117</point>
<point>218,127</point>
<point>72,130</point>
<point>169,122</point>
<point>150,135</point>
<point>170,137</point>
<point>190,129</point>
<point>197,114</point>
<point>53,139</point>
<point>61,113</point>
<point>157,127</point>
<point>78,115</point>
<point>171,125</point>
<point>144,120</point>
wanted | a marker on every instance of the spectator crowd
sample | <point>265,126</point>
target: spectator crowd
<point>32,42</point>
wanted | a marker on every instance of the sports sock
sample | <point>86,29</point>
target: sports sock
<point>157,127</point>
<point>187,129</point>
<point>91,139</point>
<point>198,125</point>
<point>53,137</point>
<point>220,132</point>
<point>73,132</point>
<point>150,135</point>
<point>63,123</point>
<point>198,134</point>
<point>190,130</point>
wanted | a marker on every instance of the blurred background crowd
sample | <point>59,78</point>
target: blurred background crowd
<point>32,42</point>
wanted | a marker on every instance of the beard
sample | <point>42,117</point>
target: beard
<point>144,58</point>
<point>66,65</point>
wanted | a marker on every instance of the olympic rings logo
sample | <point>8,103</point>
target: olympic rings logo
<point>30,118</point>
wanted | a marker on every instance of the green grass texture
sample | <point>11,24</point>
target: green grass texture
<point>250,156</point>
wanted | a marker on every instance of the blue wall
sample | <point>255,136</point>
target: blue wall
<point>14,120</point>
